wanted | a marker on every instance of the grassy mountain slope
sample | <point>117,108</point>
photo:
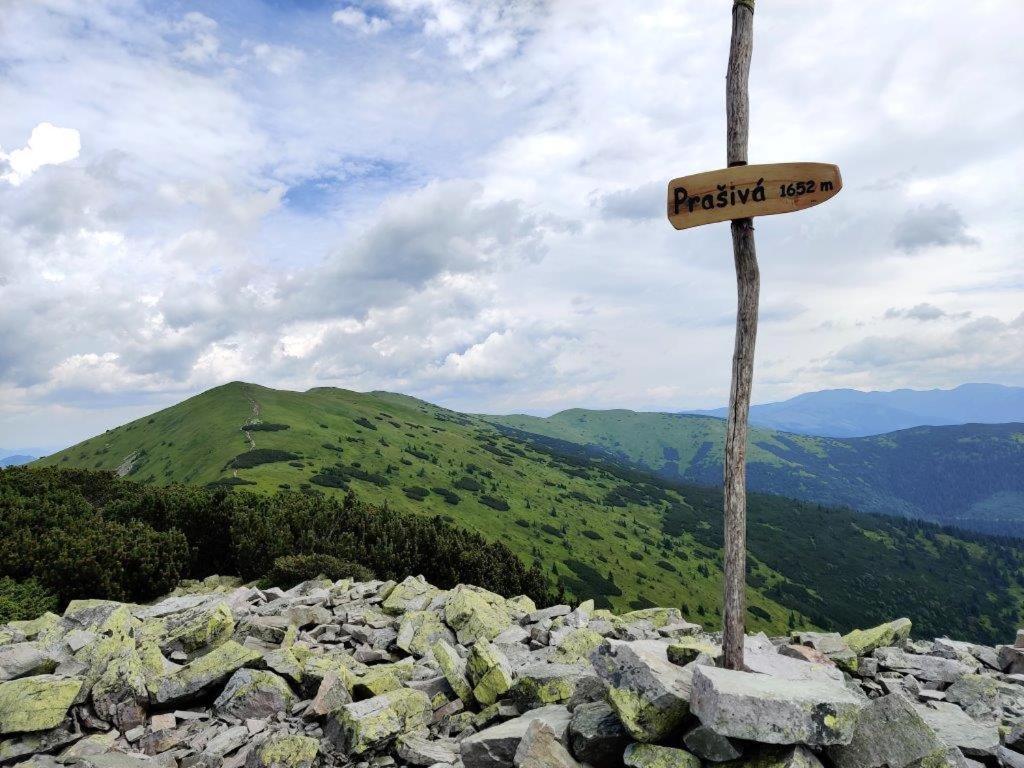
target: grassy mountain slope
<point>600,528</point>
<point>971,476</point>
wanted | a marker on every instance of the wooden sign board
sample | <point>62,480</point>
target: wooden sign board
<point>749,190</point>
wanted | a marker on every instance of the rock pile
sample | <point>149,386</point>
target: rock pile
<point>379,674</point>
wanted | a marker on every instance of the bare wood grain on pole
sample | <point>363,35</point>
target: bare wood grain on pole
<point>748,282</point>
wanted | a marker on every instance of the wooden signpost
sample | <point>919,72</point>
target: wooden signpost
<point>737,194</point>
<point>749,190</point>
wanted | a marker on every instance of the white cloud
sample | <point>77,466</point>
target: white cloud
<point>48,145</point>
<point>202,44</point>
<point>476,32</point>
<point>355,18</point>
<point>468,208</point>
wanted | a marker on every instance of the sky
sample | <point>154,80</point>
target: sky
<point>464,201</point>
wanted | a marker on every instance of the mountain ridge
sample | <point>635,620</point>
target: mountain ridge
<point>857,413</point>
<point>598,526</point>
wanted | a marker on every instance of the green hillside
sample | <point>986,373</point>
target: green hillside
<point>596,526</point>
<point>970,476</point>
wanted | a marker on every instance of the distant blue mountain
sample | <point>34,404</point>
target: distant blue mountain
<point>16,459</point>
<point>852,413</point>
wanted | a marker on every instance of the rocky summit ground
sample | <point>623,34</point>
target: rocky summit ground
<point>379,674</point>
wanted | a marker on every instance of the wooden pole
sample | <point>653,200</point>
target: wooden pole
<point>748,283</point>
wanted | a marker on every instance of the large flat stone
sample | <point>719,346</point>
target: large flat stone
<point>955,728</point>
<point>495,747</point>
<point>649,693</point>
<point>889,732</point>
<point>772,710</point>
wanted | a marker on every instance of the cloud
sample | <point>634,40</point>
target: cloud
<point>467,207</point>
<point>478,33</point>
<point>357,19</point>
<point>201,42</point>
<point>935,225</point>
<point>640,203</point>
<point>923,312</point>
<point>985,348</point>
<point>48,145</point>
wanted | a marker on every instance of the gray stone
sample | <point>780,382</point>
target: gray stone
<point>331,695</point>
<point>771,710</point>
<point>710,746</point>
<point>649,693</point>
<point>1010,659</point>
<point>495,747</point>
<point>931,668</point>
<point>20,659</point>
<point>540,748</point>
<point>960,650</point>
<point>889,732</point>
<point>417,749</point>
<point>597,736</point>
<point>759,655</point>
<point>254,693</point>
<point>955,728</point>
<point>547,613</point>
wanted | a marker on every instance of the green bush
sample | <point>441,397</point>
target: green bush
<point>416,492</point>
<point>21,600</point>
<point>468,484</point>
<point>499,504</point>
<point>450,497</point>
<point>265,427</point>
<point>80,533</point>
<point>258,456</point>
<point>290,570</point>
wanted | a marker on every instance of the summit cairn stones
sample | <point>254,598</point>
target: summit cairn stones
<point>774,710</point>
<point>375,675</point>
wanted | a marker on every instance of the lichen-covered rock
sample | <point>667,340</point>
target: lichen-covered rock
<point>476,613</point>
<point>540,684</point>
<point>419,630</point>
<point>198,623</point>
<point>489,672</point>
<point>120,695</point>
<point>284,751</point>
<point>453,667</point>
<point>36,703</point>
<point>654,756</point>
<point>362,725</point>
<point>495,747</point>
<point>863,641</point>
<point>332,694</point>
<point>888,732</point>
<point>413,594</point>
<point>649,693</point>
<point>577,645</point>
<point>540,748</point>
<point>200,675</point>
<point>597,736</point>
<point>771,710</point>
<point>252,693</point>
